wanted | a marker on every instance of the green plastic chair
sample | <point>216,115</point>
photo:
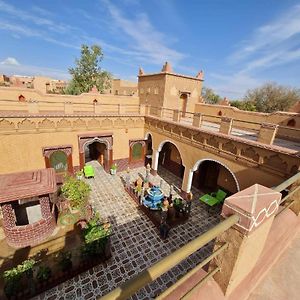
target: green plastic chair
<point>88,171</point>
<point>213,198</point>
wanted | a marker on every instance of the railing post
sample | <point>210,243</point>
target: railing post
<point>226,125</point>
<point>69,108</point>
<point>256,206</point>
<point>295,207</point>
<point>33,107</point>
<point>197,120</point>
<point>97,108</point>
<point>176,115</point>
<point>121,109</point>
<point>142,109</point>
<point>267,133</point>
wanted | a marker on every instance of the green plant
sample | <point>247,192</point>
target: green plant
<point>79,173</point>
<point>77,191</point>
<point>96,236</point>
<point>64,259</point>
<point>13,276</point>
<point>114,167</point>
<point>43,273</point>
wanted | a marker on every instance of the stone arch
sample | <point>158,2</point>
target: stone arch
<point>170,158</point>
<point>198,163</point>
<point>291,123</point>
<point>106,155</point>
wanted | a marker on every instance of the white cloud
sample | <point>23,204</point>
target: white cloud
<point>10,61</point>
<point>273,43</point>
<point>145,38</point>
<point>30,70</point>
<point>276,43</point>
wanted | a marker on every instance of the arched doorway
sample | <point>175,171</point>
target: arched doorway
<point>96,151</point>
<point>170,159</point>
<point>149,150</point>
<point>210,175</point>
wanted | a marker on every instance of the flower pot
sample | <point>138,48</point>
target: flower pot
<point>113,171</point>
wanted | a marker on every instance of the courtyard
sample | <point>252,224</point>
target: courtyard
<point>136,243</point>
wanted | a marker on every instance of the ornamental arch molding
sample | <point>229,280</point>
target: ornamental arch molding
<point>200,161</point>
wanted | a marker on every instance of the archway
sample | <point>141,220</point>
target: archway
<point>149,150</point>
<point>210,175</point>
<point>96,151</point>
<point>170,159</point>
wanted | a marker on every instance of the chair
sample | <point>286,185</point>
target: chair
<point>213,198</point>
<point>88,171</point>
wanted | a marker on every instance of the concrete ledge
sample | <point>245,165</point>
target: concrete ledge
<point>283,230</point>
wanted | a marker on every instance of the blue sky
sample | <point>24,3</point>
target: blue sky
<point>238,44</point>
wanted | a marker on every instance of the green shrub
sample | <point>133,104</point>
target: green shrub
<point>64,260</point>
<point>43,273</point>
<point>77,191</point>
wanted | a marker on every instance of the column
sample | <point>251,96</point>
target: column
<point>267,133</point>
<point>121,109</point>
<point>142,109</point>
<point>256,207</point>
<point>33,107</point>
<point>197,120</point>
<point>187,180</point>
<point>155,156</point>
<point>69,108</point>
<point>176,115</point>
<point>226,125</point>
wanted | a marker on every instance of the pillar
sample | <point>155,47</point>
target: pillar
<point>33,107</point>
<point>226,125</point>
<point>267,133</point>
<point>159,112</point>
<point>187,180</point>
<point>69,108</point>
<point>256,206</point>
<point>142,109</point>
<point>155,156</point>
<point>197,120</point>
<point>121,109</point>
<point>176,115</point>
<point>295,207</point>
<point>97,108</point>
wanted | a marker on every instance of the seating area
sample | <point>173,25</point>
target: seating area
<point>213,198</point>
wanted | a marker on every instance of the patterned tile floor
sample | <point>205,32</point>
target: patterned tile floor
<point>136,244</point>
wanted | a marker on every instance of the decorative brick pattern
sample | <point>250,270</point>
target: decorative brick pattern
<point>9,218</point>
<point>31,234</point>
<point>136,244</point>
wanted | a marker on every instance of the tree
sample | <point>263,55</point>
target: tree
<point>243,105</point>
<point>273,97</point>
<point>210,96</point>
<point>87,73</point>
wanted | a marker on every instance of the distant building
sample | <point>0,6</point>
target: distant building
<point>123,87</point>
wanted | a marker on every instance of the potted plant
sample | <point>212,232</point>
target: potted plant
<point>64,260</point>
<point>76,191</point>
<point>113,169</point>
<point>43,273</point>
<point>79,175</point>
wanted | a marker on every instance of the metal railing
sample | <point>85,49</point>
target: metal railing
<point>287,185</point>
<point>130,287</point>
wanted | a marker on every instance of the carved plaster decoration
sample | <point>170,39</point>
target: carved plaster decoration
<point>67,149</point>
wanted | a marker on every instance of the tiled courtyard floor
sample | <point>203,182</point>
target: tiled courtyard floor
<point>136,244</point>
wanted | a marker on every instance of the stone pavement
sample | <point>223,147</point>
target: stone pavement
<point>136,244</point>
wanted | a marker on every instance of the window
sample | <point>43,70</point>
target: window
<point>59,161</point>
<point>137,151</point>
